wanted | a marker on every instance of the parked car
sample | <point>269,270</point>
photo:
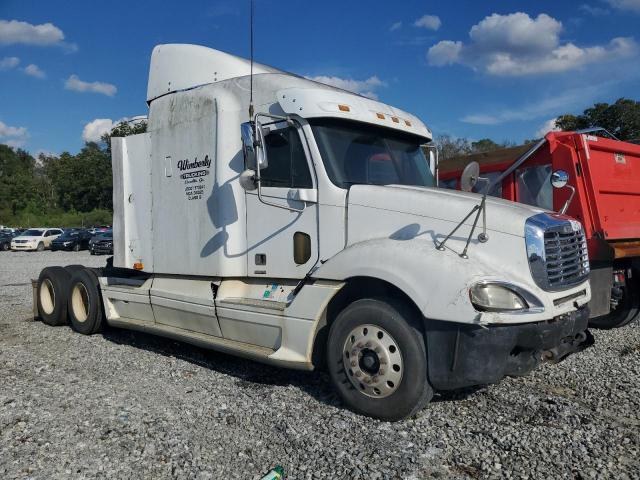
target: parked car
<point>102,244</point>
<point>36,239</point>
<point>72,239</point>
<point>99,230</point>
<point>5,239</point>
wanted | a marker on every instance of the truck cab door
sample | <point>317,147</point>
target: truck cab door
<point>282,228</point>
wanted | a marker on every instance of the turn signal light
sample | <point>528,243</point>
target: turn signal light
<point>138,266</point>
<point>344,108</point>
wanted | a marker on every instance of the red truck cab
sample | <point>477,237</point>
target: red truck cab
<point>605,174</point>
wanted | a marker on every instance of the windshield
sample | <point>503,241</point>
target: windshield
<point>354,153</point>
<point>32,232</point>
<point>70,234</point>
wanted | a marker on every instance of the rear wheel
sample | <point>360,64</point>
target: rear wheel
<point>377,359</point>
<point>53,291</point>
<point>86,313</point>
<point>627,310</point>
<point>5,247</point>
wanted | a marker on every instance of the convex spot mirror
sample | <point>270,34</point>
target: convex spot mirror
<point>559,178</point>
<point>253,148</point>
<point>470,176</point>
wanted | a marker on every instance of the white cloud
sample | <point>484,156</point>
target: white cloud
<point>546,127</point>
<point>77,85</point>
<point>93,131</point>
<point>569,100</point>
<point>96,128</point>
<point>45,152</point>
<point>395,26</point>
<point>14,31</point>
<point>430,22</point>
<point>363,87</point>
<point>629,5</point>
<point>593,10</point>
<point>34,71</point>
<point>518,45</point>
<point>13,136</point>
<point>7,63</point>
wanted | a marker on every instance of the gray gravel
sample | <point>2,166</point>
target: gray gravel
<point>128,405</point>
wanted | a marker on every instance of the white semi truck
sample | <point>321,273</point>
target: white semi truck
<point>311,233</point>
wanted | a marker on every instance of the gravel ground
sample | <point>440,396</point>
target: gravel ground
<point>129,405</point>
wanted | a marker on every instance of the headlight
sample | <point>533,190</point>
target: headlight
<point>496,298</point>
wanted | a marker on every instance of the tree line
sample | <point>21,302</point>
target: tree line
<point>74,190</point>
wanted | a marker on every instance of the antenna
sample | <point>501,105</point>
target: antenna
<point>251,68</point>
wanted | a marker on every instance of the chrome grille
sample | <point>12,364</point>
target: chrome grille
<point>557,251</point>
<point>566,257</point>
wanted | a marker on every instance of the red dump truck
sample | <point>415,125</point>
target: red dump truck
<point>602,190</point>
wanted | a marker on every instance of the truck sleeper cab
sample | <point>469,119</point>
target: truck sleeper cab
<point>306,236</point>
<point>604,173</point>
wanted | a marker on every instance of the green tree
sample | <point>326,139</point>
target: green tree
<point>621,118</point>
<point>123,129</point>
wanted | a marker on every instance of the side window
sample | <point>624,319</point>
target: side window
<point>534,186</point>
<point>492,176</point>
<point>288,167</point>
<point>47,233</point>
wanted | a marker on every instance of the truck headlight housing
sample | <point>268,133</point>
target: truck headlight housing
<point>496,297</point>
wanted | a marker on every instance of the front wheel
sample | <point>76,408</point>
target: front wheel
<point>377,359</point>
<point>40,247</point>
<point>76,247</point>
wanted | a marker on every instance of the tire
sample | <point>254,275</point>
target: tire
<point>392,330</point>
<point>92,252</point>
<point>627,311</point>
<point>40,247</point>
<point>71,269</point>
<point>52,295</point>
<point>76,247</point>
<point>5,247</point>
<point>86,312</point>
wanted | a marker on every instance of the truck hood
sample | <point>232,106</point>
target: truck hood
<point>443,205</point>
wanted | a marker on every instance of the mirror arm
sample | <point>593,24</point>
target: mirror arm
<point>565,207</point>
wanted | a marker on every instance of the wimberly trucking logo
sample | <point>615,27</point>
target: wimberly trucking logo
<point>194,172</point>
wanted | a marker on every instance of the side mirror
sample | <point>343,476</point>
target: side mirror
<point>559,179</point>
<point>253,148</point>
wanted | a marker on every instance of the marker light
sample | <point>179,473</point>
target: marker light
<point>380,116</point>
<point>344,108</point>
<point>395,119</point>
<point>407,123</point>
<point>138,266</point>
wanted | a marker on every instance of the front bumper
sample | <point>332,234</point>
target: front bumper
<point>102,249</point>
<point>465,355</point>
<point>62,246</point>
<point>23,246</point>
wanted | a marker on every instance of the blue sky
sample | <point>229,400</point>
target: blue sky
<point>498,69</point>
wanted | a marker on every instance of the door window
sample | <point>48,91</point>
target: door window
<point>288,167</point>
<point>534,186</point>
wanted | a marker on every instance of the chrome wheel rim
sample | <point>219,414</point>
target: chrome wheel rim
<point>47,296</point>
<point>80,302</point>
<point>372,361</point>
